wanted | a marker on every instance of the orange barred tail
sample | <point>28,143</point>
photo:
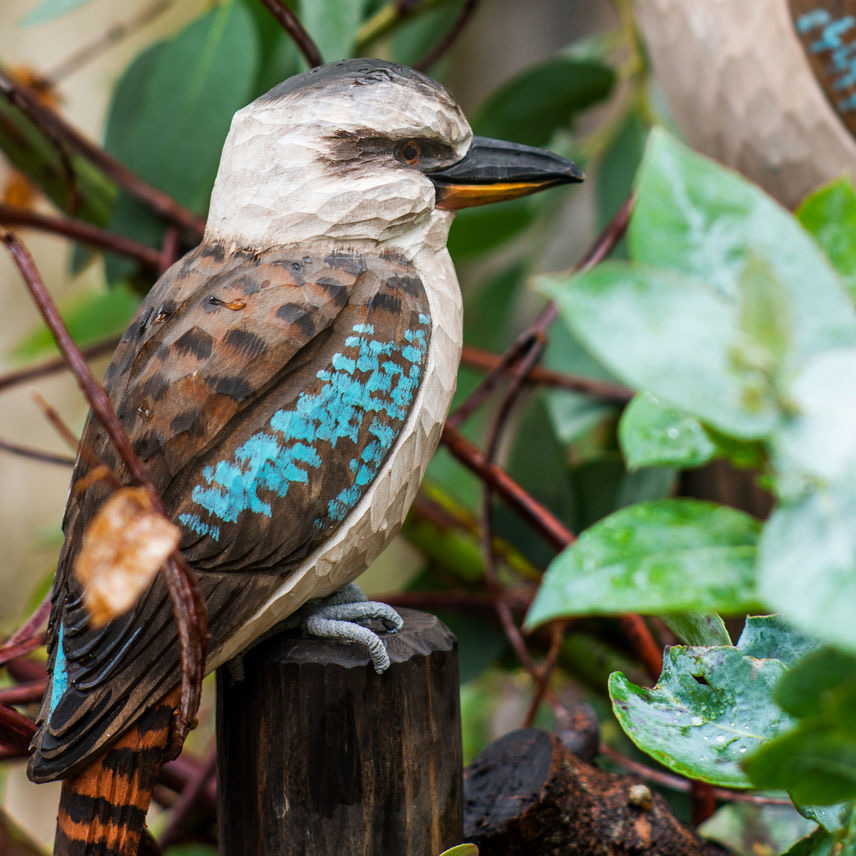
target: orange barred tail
<point>102,810</point>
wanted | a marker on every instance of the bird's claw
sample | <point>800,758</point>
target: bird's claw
<point>343,616</point>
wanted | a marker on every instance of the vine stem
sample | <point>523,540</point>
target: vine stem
<point>183,587</point>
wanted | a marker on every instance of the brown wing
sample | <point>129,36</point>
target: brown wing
<point>264,393</point>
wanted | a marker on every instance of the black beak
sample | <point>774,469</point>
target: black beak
<point>495,170</point>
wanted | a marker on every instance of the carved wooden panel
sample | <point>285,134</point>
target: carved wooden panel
<point>827,31</point>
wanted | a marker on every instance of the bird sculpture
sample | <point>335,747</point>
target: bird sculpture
<point>767,87</point>
<point>285,383</point>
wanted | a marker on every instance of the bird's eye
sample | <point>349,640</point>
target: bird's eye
<point>410,152</point>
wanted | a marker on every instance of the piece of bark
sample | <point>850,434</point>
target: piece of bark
<point>527,794</point>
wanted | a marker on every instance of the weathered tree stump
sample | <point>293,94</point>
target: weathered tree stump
<point>527,794</point>
<point>320,755</point>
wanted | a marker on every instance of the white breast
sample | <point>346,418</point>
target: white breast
<point>376,519</point>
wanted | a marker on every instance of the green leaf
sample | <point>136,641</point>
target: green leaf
<point>462,850</point>
<point>660,332</point>
<point>333,25</point>
<point>89,318</point>
<point>173,135</point>
<point>709,710</point>
<point>819,440</point>
<point>671,555</point>
<point>50,9</point>
<point>764,313</point>
<point>696,628</point>
<point>770,637</point>
<point>541,99</point>
<point>654,435</point>
<point>815,764</point>
<point>830,215</point>
<point>696,217</point>
<point>807,563</point>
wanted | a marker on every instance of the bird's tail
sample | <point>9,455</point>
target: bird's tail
<point>102,810</point>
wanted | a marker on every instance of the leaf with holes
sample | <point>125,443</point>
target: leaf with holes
<point>710,709</point>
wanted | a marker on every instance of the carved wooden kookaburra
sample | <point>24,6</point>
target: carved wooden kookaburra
<point>285,383</point>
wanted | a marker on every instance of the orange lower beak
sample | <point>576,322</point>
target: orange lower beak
<point>495,170</point>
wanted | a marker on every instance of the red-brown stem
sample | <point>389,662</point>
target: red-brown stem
<point>78,230</point>
<point>679,783</point>
<point>541,518</point>
<point>28,632</point>
<point>539,375</point>
<point>55,364</point>
<point>191,794</point>
<point>11,652</point>
<point>170,250</point>
<point>542,684</point>
<point>643,642</point>
<point>49,121</point>
<point>32,454</point>
<point>23,693</point>
<point>180,579</point>
<point>449,38</point>
<point>291,24</point>
<point>16,730</point>
<point>702,802</point>
<point>177,774</point>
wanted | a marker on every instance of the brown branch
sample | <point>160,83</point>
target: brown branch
<point>519,500</point>
<point>55,364</point>
<point>291,24</point>
<point>450,37</point>
<point>11,215</point>
<point>188,605</point>
<point>11,651</point>
<point>35,454</point>
<point>539,375</point>
<point>643,642</point>
<point>57,128</point>
<point>23,693</point>
<point>16,730</point>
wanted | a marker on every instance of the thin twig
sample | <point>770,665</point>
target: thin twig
<point>55,364</point>
<point>539,375</point>
<point>115,33</point>
<point>291,24</point>
<point>597,252</point>
<point>16,730</point>
<point>35,454</point>
<point>519,500</point>
<point>29,628</point>
<point>188,604</point>
<point>545,673</point>
<point>11,215</point>
<point>643,642</point>
<point>55,126</point>
<point>450,37</point>
<point>26,646</point>
<point>679,783</point>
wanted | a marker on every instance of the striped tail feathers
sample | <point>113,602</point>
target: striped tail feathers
<point>102,810</point>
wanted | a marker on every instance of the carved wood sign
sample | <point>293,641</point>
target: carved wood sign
<point>827,31</point>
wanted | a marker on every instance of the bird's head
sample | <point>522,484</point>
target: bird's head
<point>362,151</point>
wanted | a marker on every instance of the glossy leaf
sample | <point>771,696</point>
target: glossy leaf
<point>661,556</point>
<point>654,435</point>
<point>47,10</point>
<point>807,562</point>
<point>170,134</point>
<point>830,215</point>
<point>697,628</point>
<point>770,637</point>
<point>710,709</point>
<point>541,99</point>
<point>660,332</point>
<point>703,220</point>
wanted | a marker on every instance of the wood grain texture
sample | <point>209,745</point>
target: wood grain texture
<point>743,90</point>
<point>318,754</point>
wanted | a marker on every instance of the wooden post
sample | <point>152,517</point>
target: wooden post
<point>320,755</point>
